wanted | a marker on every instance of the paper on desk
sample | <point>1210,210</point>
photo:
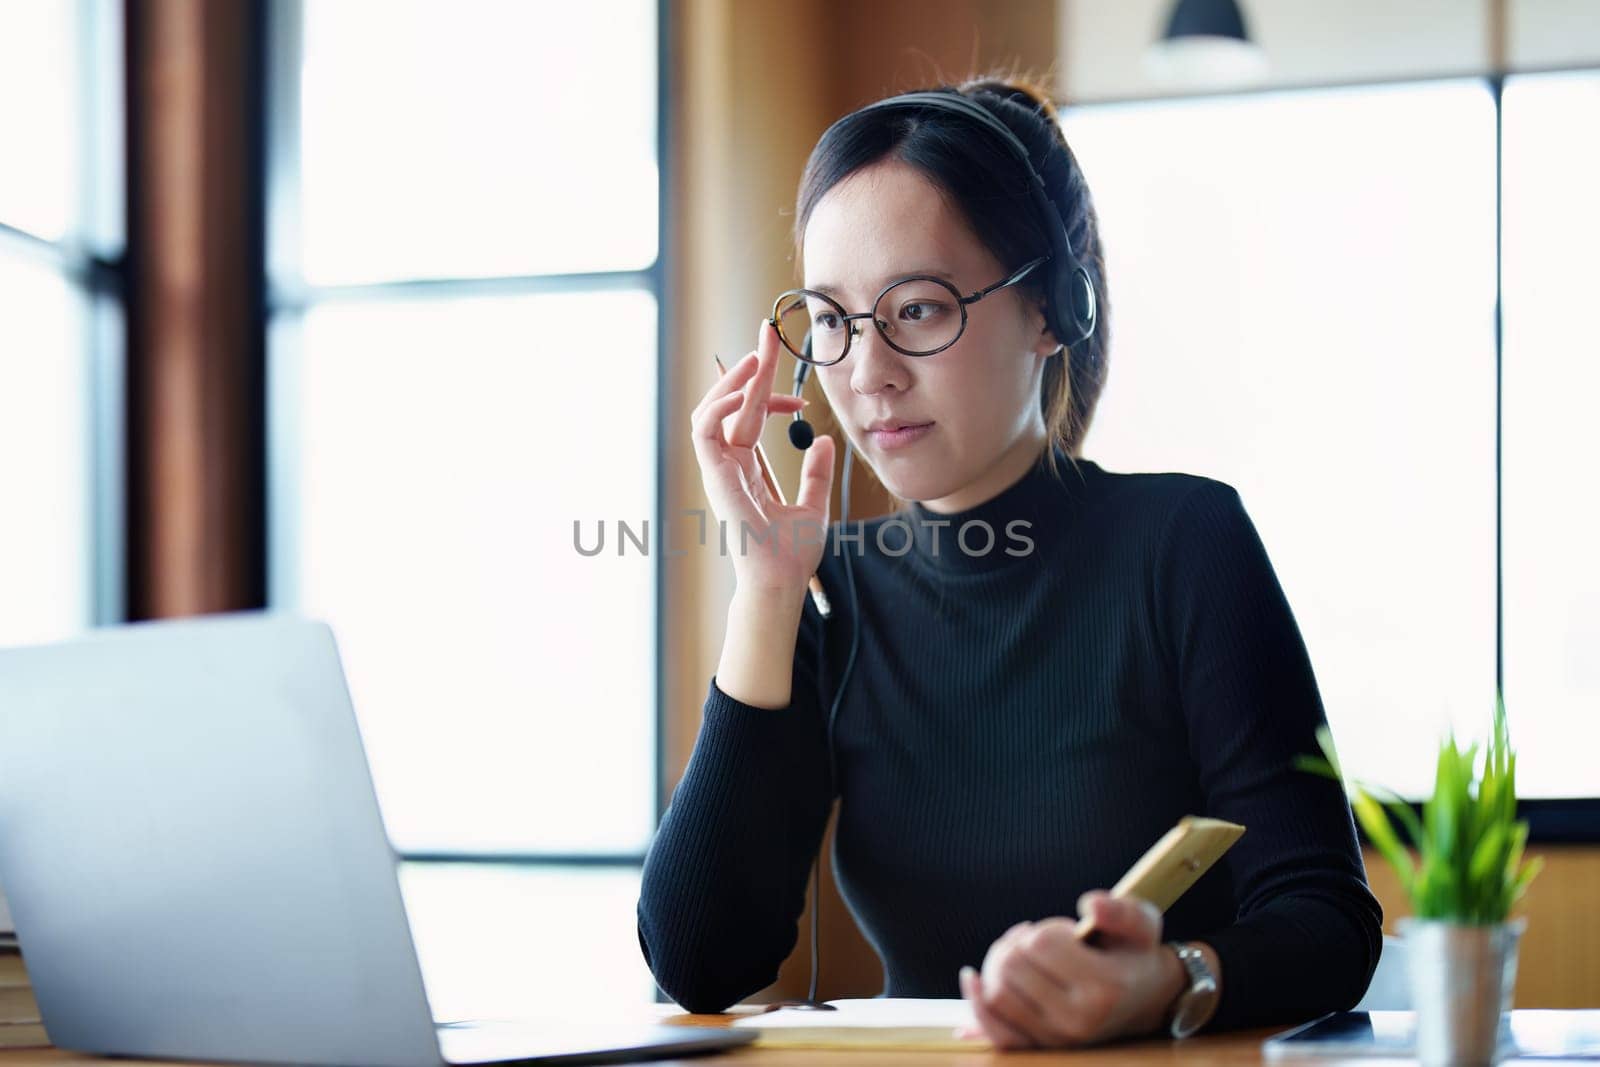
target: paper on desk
<point>882,1023</point>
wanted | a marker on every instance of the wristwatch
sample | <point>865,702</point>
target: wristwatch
<point>1195,1005</point>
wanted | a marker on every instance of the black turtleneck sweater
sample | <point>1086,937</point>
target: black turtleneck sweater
<point>1021,725</point>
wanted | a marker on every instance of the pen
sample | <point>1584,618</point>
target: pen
<point>819,596</point>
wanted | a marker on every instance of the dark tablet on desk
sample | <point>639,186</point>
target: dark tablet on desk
<point>1529,1034</point>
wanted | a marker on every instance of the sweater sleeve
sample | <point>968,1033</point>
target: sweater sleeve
<point>724,880</point>
<point>1308,931</point>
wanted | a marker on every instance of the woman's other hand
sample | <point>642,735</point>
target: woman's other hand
<point>784,544</point>
<point>1041,987</point>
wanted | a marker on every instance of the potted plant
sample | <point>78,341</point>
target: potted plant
<point>1461,866</point>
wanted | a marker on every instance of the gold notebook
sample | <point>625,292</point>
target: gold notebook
<point>882,1023</point>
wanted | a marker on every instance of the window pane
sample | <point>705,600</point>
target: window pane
<point>1551,376</point>
<point>38,115</point>
<point>501,942</point>
<point>46,589</point>
<point>1303,296</point>
<point>481,139</point>
<point>506,684</point>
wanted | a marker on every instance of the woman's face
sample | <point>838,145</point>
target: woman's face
<point>979,398</point>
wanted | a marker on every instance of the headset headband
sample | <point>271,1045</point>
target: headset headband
<point>1070,304</point>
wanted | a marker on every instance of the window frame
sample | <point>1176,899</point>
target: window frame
<point>1564,820</point>
<point>288,298</point>
<point>91,259</point>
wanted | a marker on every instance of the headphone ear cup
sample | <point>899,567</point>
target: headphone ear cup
<point>1072,306</point>
<point>1085,308</point>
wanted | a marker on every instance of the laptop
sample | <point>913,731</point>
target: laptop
<point>197,867</point>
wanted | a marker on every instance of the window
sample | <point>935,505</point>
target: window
<point>464,361</point>
<point>1551,376</point>
<point>60,313</point>
<point>1303,292</point>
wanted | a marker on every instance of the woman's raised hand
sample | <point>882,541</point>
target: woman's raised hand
<point>774,546</point>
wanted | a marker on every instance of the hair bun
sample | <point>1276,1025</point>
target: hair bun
<point>1026,92</point>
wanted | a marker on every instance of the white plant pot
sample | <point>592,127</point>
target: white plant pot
<point>1462,977</point>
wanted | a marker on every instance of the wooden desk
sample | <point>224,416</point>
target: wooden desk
<point>1234,1049</point>
<point>1219,1050</point>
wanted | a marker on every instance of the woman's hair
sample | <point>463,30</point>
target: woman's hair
<point>986,182</point>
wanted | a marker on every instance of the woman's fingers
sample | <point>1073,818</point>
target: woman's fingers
<point>1016,991</point>
<point>727,423</point>
<point>1032,996</point>
<point>746,428</point>
<point>728,463</point>
<point>1122,921</point>
<point>1054,948</point>
<point>729,378</point>
<point>709,416</point>
<point>776,404</point>
<point>1005,998</point>
<point>729,381</point>
<point>720,468</point>
<point>816,477</point>
<point>706,425</point>
<point>1001,1032</point>
<point>787,403</point>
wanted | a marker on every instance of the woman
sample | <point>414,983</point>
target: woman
<point>1048,663</point>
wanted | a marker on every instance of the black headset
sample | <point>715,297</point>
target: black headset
<point>1070,306</point>
<point>1070,312</point>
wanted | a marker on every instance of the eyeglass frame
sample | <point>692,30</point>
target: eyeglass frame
<point>850,332</point>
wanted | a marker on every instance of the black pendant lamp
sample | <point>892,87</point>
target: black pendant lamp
<point>1206,45</point>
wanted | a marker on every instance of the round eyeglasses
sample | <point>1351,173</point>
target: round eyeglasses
<point>917,316</point>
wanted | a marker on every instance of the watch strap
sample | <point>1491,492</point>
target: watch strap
<point>1202,984</point>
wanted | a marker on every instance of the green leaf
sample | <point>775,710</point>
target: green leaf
<point>1431,900</point>
<point>1316,765</point>
<point>1408,818</point>
<point>1378,827</point>
<point>1500,736</point>
<point>1446,800</point>
<point>1486,874</point>
<point>1325,742</point>
<point>1511,785</point>
<point>1401,810</point>
<point>1519,842</point>
<point>1524,877</point>
<point>1513,869</point>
